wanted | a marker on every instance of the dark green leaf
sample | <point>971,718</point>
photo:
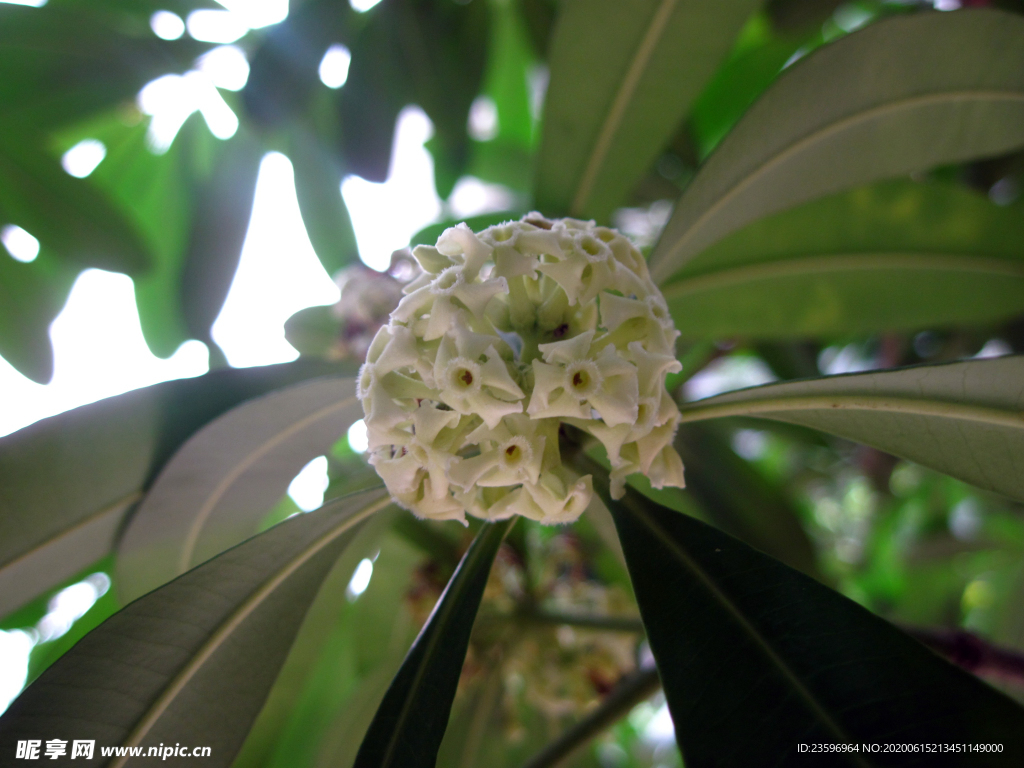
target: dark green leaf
<point>220,484</point>
<point>374,94</point>
<point>222,211</point>
<point>892,256</point>
<point>318,188</point>
<point>193,661</point>
<point>963,419</point>
<point>159,193</point>
<point>66,61</point>
<point>410,723</point>
<point>898,96</point>
<point>444,50</point>
<point>68,215</point>
<point>283,75</point>
<point>67,482</point>
<point>31,296</point>
<point>622,78</point>
<point>756,658</point>
<point>737,498</point>
<point>326,695</point>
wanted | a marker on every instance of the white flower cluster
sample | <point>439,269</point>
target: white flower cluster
<point>506,335</point>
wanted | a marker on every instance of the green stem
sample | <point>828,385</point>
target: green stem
<point>631,690</point>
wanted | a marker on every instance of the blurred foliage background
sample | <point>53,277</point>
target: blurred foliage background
<point>559,628</point>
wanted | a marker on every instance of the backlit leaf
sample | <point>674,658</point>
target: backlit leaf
<point>901,95</point>
<point>897,255</point>
<point>66,482</point>
<point>410,723</point>
<point>192,662</point>
<point>220,484</point>
<point>964,419</point>
<point>622,78</point>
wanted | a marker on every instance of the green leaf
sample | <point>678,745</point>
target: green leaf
<point>410,723</point>
<point>67,482</point>
<point>216,489</point>
<point>507,158</point>
<point>314,331</point>
<point>283,77</point>
<point>68,215</point>
<point>442,49</point>
<point>68,60</point>
<point>31,296</point>
<point>891,256</point>
<point>738,499</point>
<point>963,419</point>
<point>374,94</point>
<point>755,62</point>
<point>320,658</point>
<point>318,188</point>
<point>902,95</point>
<point>192,662</point>
<point>324,721</point>
<point>221,220</point>
<point>506,79</point>
<point>622,78</point>
<point>756,658</point>
<point>159,193</point>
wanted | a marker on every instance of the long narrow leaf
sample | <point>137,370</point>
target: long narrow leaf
<point>31,296</point>
<point>219,225</point>
<point>66,482</point>
<point>318,189</point>
<point>891,256</point>
<point>964,419</point>
<point>217,488</point>
<point>324,663</point>
<point>622,77</point>
<point>898,96</point>
<point>408,728</point>
<point>756,658</point>
<point>192,662</point>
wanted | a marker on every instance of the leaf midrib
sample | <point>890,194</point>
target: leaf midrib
<point>120,504</point>
<point>444,611</point>
<point>734,612</point>
<point>843,262</point>
<point>905,404</point>
<point>239,615</point>
<point>617,111</point>
<point>820,134</point>
<point>201,517</point>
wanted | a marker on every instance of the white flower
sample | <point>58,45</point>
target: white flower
<point>443,298</point>
<point>473,379</point>
<point>503,337</point>
<point>574,378</point>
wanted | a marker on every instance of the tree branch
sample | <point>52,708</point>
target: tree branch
<point>630,691</point>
